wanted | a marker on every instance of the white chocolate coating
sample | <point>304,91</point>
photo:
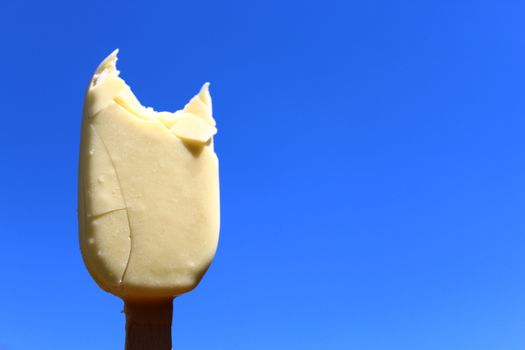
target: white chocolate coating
<point>148,191</point>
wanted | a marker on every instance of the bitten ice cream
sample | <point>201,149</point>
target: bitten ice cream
<point>148,191</point>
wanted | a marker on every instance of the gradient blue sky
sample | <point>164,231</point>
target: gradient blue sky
<point>372,170</point>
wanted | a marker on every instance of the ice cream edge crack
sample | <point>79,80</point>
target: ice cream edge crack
<point>99,215</point>
<point>121,280</point>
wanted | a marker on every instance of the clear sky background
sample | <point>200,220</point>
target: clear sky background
<point>372,170</point>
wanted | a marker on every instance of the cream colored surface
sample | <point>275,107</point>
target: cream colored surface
<point>148,190</point>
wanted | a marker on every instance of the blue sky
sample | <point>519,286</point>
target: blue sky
<point>372,170</point>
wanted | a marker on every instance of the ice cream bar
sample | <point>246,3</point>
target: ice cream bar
<point>148,190</point>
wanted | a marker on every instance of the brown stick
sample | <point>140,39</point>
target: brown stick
<point>148,324</point>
